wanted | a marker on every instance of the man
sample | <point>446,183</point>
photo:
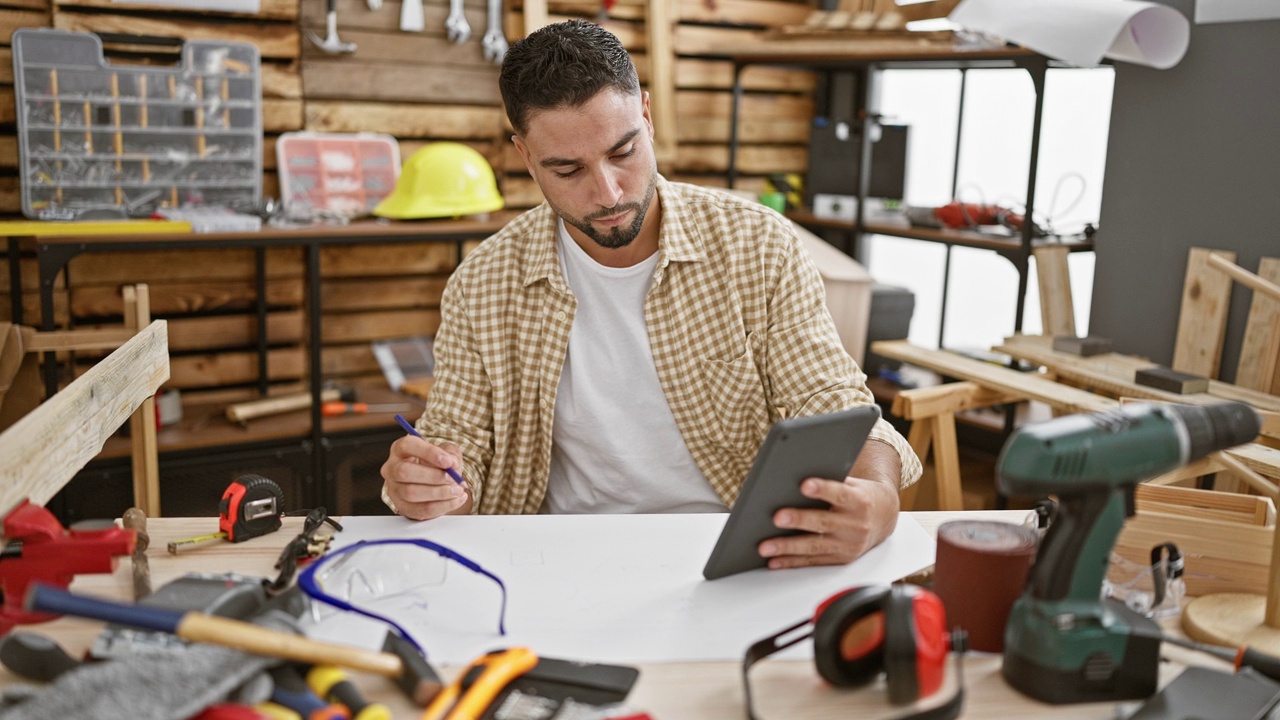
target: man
<point>625,346</point>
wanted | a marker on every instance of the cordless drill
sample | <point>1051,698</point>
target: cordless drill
<point>1063,643</point>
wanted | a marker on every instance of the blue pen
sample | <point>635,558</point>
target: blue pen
<point>408,427</point>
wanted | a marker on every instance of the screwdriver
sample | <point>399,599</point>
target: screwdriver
<point>1242,656</point>
<point>331,409</point>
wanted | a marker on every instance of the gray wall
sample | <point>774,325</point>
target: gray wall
<point>1193,159</point>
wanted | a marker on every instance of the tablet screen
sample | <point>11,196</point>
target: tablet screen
<point>824,446</point>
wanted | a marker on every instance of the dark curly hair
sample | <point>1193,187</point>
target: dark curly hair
<point>563,66</point>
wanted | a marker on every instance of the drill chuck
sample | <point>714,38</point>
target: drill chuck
<point>1215,427</point>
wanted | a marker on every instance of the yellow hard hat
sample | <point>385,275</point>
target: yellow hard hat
<point>443,179</point>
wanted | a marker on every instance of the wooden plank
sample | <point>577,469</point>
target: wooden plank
<point>234,331</point>
<point>696,74</point>
<point>10,196</point>
<point>8,106</point>
<point>750,130</point>
<point>232,368</point>
<point>87,339</point>
<point>163,266</point>
<point>348,360</point>
<point>267,9</point>
<point>590,9</point>
<point>1237,507</point>
<point>924,402</point>
<point>339,328</point>
<point>661,20</point>
<point>1112,374</point>
<point>1057,311</point>
<point>778,106</point>
<point>354,15</point>
<point>385,259</point>
<point>708,40</point>
<point>1202,320</point>
<point>996,377</point>
<point>6,66</point>
<point>385,293</point>
<point>1259,367</point>
<point>1261,459</point>
<point>534,15</point>
<point>753,185</point>
<point>756,159</point>
<point>144,452</point>
<point>745,12</point>
<point>49,445</point>
<point>521,192</point>
<point>1244,277</point>
<point>9,152</point>
<point>11,20</point>
<point>281,80</point>
<point>430,52</point>
<point>331,78</point>
<point>1220,556</point>
<point>443,122</point>
<point>281,115</point>
<point>273,39</point>
<point>188,297</point>
<point>28,4</point>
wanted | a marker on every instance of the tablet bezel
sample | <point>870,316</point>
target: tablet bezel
<point>796,448</point>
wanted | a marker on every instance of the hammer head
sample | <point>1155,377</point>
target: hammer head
<point>417,678</point>
<point>331,43</point>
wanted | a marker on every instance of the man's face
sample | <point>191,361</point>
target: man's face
<point>595,164</point>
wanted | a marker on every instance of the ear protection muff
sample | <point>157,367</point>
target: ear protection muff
<point>900,630</point>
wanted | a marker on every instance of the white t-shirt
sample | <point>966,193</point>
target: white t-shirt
<point>615,446</point>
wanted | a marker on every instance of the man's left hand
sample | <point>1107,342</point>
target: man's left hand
<point>863,512</point>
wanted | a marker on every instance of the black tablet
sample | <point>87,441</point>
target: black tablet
<point>822,446</point>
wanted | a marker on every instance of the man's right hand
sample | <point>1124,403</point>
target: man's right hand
<point>416,480</point>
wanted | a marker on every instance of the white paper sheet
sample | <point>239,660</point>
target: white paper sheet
<point>1082,32</point>
<point>1220,11</point>
<point>609,588</point>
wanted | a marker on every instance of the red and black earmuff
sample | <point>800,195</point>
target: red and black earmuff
<point>900,630</point>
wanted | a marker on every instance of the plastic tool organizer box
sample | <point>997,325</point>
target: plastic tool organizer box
<point>130,138</point>
<point>343,173</point>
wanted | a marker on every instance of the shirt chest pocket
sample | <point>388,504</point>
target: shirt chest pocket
<point>735,397</point>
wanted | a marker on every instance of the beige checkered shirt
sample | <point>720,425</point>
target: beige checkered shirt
<point>737,320</point>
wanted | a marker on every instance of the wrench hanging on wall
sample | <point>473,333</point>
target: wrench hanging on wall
<point>456,27</point>
<point>411,16</point>
<point>495,42</point>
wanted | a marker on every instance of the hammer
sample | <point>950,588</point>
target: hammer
<point>398,660</point>
<point>331,44</point>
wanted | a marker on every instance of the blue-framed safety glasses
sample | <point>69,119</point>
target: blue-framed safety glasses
<point>361,578</point>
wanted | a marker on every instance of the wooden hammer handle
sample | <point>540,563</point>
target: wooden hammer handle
<point>272,643</point>
<point>245,411</point>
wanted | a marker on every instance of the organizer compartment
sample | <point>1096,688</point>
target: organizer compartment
<point>128,140</point>
<point>343,173</point>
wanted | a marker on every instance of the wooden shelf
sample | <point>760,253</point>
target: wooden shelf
<point>960,238</point>
<point>206,426</point>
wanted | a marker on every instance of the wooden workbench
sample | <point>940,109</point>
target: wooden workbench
<point>677,691</point>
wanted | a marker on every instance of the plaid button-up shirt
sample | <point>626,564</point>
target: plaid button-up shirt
<point>738,324</point>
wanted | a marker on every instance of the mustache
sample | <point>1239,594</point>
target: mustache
<point>615,210</point>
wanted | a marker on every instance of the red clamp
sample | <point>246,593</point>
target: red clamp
<point>39,548</point>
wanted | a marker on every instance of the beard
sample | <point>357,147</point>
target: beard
<point>616,237</point>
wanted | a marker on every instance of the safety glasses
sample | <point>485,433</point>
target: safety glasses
<point>359,577</point>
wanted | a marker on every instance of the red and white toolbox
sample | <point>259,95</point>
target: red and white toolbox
<point>342,173</point>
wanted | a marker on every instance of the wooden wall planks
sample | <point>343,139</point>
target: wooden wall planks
<point>419,88</point>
